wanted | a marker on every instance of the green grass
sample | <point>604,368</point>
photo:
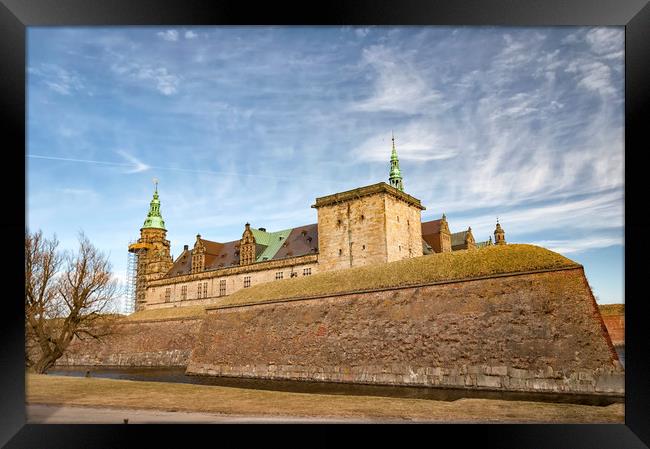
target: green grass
<point>94,392</point>
<point>167,313</point>
<point>612,309</point>
<point>456,265</point>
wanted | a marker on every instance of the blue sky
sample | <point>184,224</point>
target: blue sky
<point>253,123</point>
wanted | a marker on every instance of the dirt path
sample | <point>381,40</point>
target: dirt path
<point>56,414</point>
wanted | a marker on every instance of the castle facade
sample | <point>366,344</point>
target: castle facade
<point>378,223</point>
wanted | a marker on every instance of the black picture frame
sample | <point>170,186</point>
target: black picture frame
<point>16,15</point>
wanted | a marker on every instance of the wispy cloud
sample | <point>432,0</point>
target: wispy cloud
<point>58,79</point>
<point>169,35</point>
<point>570,246</point>
<point>191,35</point>
<point>398,85</point>
<point>138,165</point>
<point>165,82</point>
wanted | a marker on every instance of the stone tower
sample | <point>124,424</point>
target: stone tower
<point>395,176</point>
<point>247,247</point>
<point>372,224</point>
<point>499,235</point>
<point>154,259</point>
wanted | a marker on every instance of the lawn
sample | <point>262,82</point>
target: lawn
<point>486,261</point>
<point>110,393</point>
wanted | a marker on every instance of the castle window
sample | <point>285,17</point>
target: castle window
<point>183,292</point>
<point>168,294</point>
<point>222,287</point>
<point>338,222</point>
<point>247,281</point>
<point>198,291</point>
<point>294,274</point>
<point>340,252</point>
<point>306,272</point>
<point>205,289</point>
<point>400,247</point>
<point>398,218</point>
<point>279,275</point>
<point>363,246</point>
<point>363,217</point>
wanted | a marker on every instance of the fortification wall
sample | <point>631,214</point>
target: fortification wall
<point>616,328</point>
<point>530,332</point>
<point>159,343</point>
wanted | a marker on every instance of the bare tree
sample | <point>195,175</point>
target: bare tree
<point>66,295</point>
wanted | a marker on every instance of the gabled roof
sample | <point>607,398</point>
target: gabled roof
<point>431,227</point>
<point>458,238</point>
<point>301,241</point>
<point>272,241</point>
<point>268,246</point>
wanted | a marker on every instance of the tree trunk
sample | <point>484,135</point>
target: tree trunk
<point>44,363</point>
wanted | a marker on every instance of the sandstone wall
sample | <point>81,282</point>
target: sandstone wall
<point>616,328</point>
<point>352,233</point>
<point>532,332</point>
<point>403,229</point>
<point>158,343</point>
<point>234,277</point>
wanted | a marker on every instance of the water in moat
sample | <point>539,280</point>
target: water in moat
<point>177,375</point>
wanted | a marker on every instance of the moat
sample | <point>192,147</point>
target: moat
<point>177,375</point>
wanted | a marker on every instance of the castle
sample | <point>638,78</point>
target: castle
<point>378,223</point>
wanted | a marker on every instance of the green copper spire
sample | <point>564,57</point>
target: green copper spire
<point>154,219</point>
<point>395,177</point>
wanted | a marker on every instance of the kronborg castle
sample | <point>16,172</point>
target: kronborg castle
<point>374,224</point>
<point>377,297</point>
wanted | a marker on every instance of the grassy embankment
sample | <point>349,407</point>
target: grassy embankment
<point>167,313</point>
<point>612,309</point>
<point>491,260</point>
<point>94,392</point>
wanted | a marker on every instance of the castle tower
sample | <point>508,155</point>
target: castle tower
<point>445,235</point>
<point>198,255</point>
<point>395,176</point>
<point>152,249</point>
<point>373,224</point>
<point>499,235</point>
<point>247,247</point>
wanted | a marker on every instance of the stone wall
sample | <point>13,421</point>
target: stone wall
<point>527,332</point>
<point>159,343</point>
<point>403,229</point>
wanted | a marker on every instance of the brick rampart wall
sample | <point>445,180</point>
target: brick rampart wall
<point>616,328</point>
<point>531,332</point>
<point>158,343</point>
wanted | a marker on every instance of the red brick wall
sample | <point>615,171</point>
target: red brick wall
<point>525,332</point>
<point>139,343</point>
<point>616,328</point>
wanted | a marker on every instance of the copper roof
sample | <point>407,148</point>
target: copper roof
<point>458,238</point>
<point>301,241</point>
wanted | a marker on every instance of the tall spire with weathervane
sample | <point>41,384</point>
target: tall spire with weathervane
<point>154,219</point>
<point>395,177</point>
